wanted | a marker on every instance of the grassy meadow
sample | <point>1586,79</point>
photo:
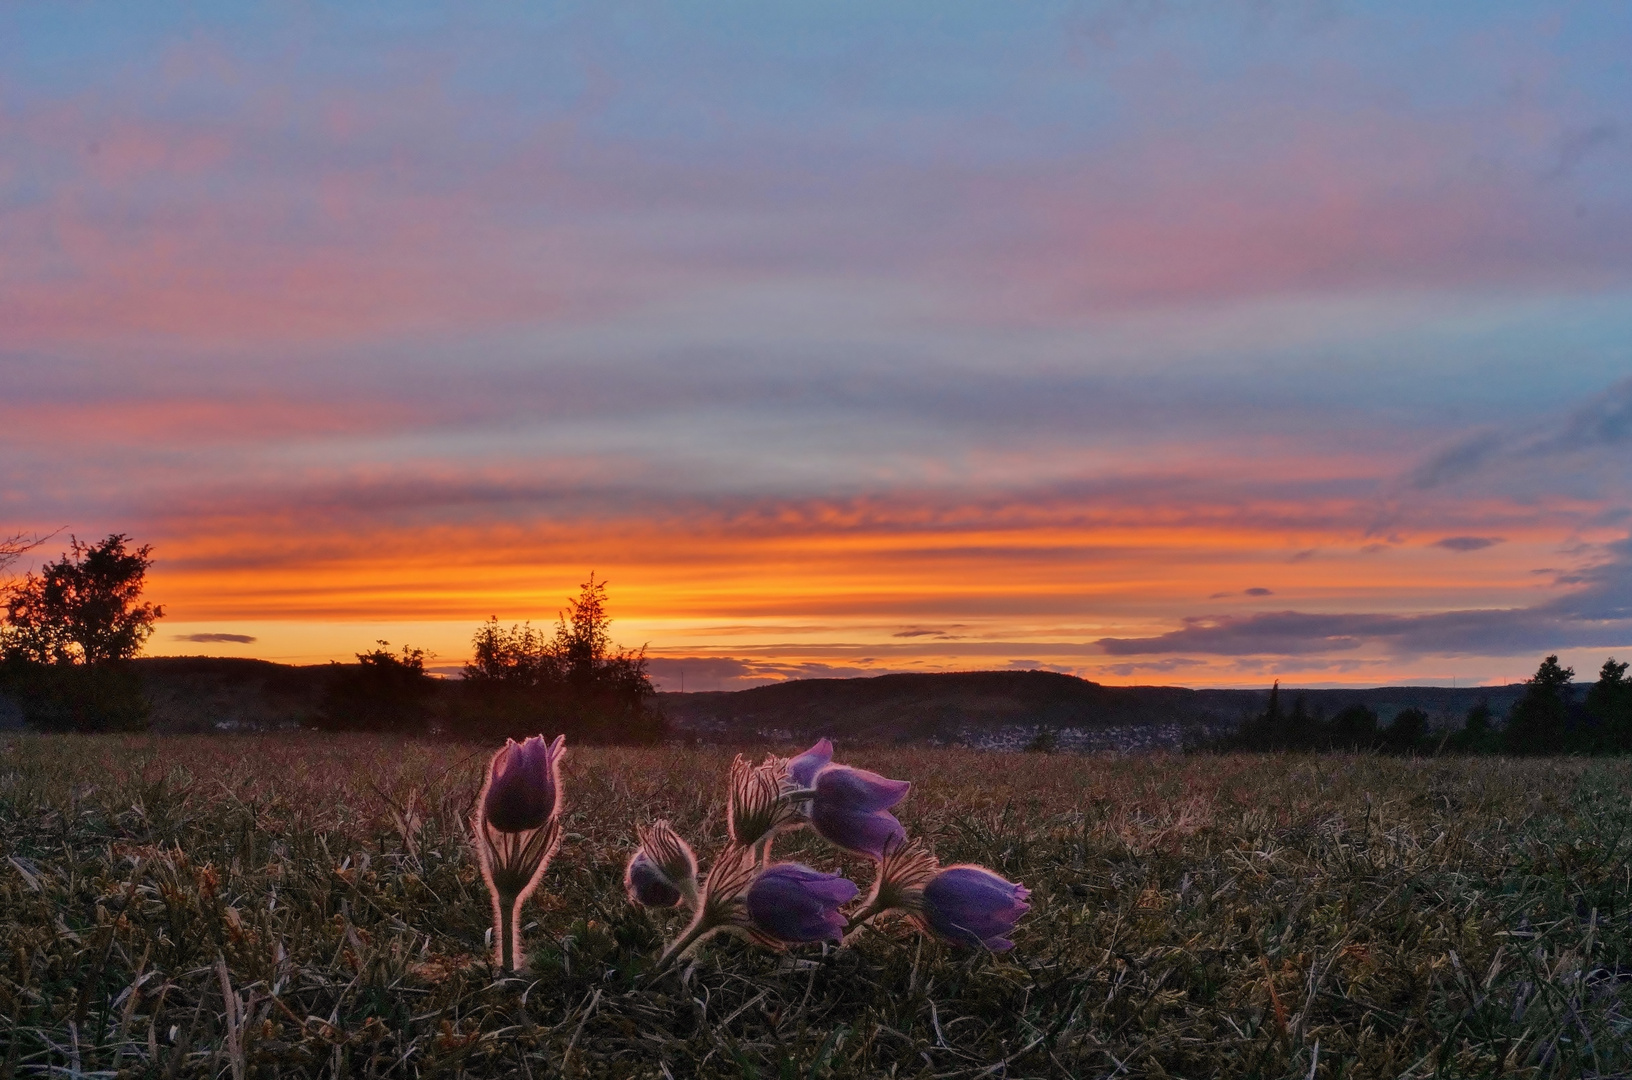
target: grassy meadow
<point>309,906</point>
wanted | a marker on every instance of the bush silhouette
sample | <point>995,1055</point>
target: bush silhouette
<point>381,692</point>
<point>1406,731</point>
<point>575,682</point>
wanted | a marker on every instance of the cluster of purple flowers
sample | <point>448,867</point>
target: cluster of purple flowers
<point>784,903</point>
<point>517,829</point>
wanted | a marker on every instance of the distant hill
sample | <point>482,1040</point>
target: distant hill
<point>994,709</point>
<point>209,693</point>
<point>1009,708</point>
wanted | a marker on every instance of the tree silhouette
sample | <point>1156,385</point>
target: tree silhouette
<point>1353,728</point>
<point>83,608</point>
<point>1299,730</point>
<point>13,548</point>
<point>69,631</point>
<point>1539,722</point>
<point>1609,702</point>
<point>583,640</point>
<point>518,657</point>
<point>1278,729</point>
<point>1408,728</point>
<point>1478,734</point>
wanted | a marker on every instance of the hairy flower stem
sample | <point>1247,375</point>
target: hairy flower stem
<point>694,933</point>
<point>869,911</point>
<point>720,904</point>
<point>504,917</point>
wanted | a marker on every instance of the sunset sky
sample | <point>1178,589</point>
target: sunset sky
<point>1157,342</point>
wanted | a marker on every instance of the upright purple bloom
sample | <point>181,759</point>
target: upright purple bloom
<point>790,902</point>
<point>802,770</point>
<point>850,809</point>
<point>971,906</point>
<point>517,829</point>
<point>522,785</point>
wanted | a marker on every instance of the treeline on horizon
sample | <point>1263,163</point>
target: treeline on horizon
<point>521,682</point>
<point>70,631</point>
<point>1548,719</point>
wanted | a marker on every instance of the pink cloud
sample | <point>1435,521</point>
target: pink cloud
<point>296,222</point>
<point>1312,203</point>
<point>192,423</point>
<point>201,231</point>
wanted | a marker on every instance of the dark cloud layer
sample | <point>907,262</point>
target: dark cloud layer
<point>1467,543</point>
<point>1603,422</point>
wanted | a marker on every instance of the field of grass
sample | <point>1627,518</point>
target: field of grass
<point>306,906</point>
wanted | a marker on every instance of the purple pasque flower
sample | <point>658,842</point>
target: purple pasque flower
<point>973,907</point>
<point>849,809</point>
<point>518,829</point>
<point>663,870</point>
<point>802,769</point>
<point>523,784</point>
<point>647,885</point>
<point>790,903</point>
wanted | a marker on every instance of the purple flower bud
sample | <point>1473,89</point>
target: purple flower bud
<point>663,870</point>
<point>971,906</point>
<point>647,885</point>
<point>755,807</point>
<point>802,770</point>
<point>523,782</point>
<point>790,902</point>
<point>849,808</point>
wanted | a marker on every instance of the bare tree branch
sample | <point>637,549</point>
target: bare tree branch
<point>16,546</point>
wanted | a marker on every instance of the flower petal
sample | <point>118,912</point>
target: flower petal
<point>862,833</point>
<point>859,789</point>
<point>792,903</point>
<point>522,787</point>
<point>647,885</point>
<point>970,905</point>
<point>803,768</point>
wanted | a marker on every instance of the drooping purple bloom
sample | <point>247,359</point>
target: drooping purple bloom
<point>971,906</point>
<point>523,785</point>
<point>790,902</point>
<point>802,770</point>
<point>647,885</point>
<point>850,809</point>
